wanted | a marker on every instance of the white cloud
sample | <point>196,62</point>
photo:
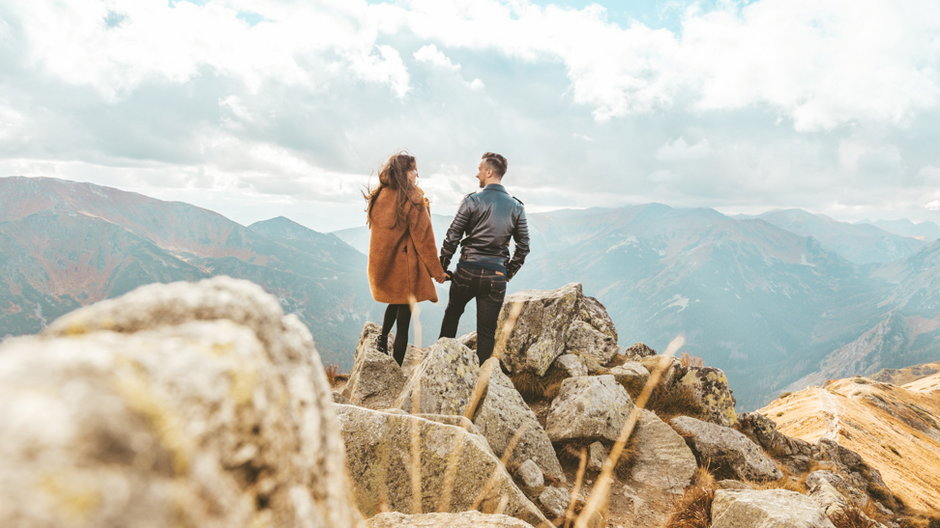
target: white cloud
<point>678,149</point>
<point>431,55</point>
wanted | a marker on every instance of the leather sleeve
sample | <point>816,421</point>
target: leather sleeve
<point>520,235</point>
<point>422,235</point>
<point>456,231</point>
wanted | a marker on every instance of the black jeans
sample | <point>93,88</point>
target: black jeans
<point>489,289</point>
<point>400,316</point>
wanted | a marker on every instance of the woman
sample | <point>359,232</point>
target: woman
<point>402,253</point>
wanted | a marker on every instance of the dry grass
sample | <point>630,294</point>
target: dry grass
<point>693,510</point>
<point>691,361</point>
<point>671,401</point>
<point>333,374</point>
<point>852,518</point>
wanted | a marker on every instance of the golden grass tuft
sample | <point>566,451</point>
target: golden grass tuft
<point>691,361</point>
<point>677,400</point>
<point>694,509</point>
<point>852,518</point>
<point>333,374</point>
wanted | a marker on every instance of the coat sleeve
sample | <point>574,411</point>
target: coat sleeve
<point>422,235</point>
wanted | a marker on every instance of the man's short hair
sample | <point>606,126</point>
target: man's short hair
<point>496,162</point>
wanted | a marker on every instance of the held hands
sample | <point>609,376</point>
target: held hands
<point>444,278</point>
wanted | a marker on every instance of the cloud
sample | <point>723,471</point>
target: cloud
<point>431,55</point>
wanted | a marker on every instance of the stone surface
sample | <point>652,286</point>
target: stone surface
<point>659,471</point>
<point>376,380</point>
<point>730,453</point>
<point>413,357</point>
<point>774,508</point>
<point>710,386</point>
<point>639,350</point>
<point>503,415</point>
<point>456,470</point>
<point>469,340</point>
<point>632,375</point>
<point>468,519</point>
<point>443,383</point>
<point>570,366</point>
<point>530,478</point>
<point>833,493</point>
<point>588,408</point>
<point>597,454</point>
<point>552,323</point>
<point>554,501</point>
<point>733,484</point>
<point>184,404</point>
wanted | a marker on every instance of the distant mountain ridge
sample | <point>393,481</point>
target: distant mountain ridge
<point>66,244</point>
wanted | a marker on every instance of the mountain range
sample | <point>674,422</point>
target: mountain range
<point>777,300</point>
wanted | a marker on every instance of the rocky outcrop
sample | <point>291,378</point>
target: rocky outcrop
<point>659,470</point>
<point>443,382</point>
<point>710,387</point>
<point>468,519</point>
<point>632,375</point>
<point>180,404</point>
<point>504,419</point>
<point>392,455</point>
<point>376,380</point>
<point>775,508</point>
<point>730,454</point>
<point>588,408</point>
<point>413,357</point>
<point>552,323</point>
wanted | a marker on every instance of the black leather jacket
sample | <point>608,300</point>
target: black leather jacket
<point>489,218</point>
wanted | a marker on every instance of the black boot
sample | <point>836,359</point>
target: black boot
<point>381,343</point>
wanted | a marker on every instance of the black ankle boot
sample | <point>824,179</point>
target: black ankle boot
<point>381,343</point>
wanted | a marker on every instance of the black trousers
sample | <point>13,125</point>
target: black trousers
<point>400,316</point>
<point>488,287</point>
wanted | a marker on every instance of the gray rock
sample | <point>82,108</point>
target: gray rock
<point>176,404</point>
<point>376,380</point>
<point>570,366</point>
<point>733,484</point>
<point>588,408</point>
<point>530,478</point>
<point>710,387</point>
<point>468,519</point>
<point>503,415</point>
<point>554,501</point>
<point>639,350</point>
<point>339,398</point>
<point>551,323</point>
<point>444,381</point>
<point>732,454</point>
<point>659,472</point>
<point>413,357</point>
<point>469,340</point>
<point>632,375</point>
<point>456,470</point>
<point>833,493</point>
<point>596,456</point>
<point>774,508</point>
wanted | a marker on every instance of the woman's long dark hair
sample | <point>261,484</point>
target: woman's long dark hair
<point>394,175</point>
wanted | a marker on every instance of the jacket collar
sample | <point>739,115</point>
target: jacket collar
<point>496,187</point>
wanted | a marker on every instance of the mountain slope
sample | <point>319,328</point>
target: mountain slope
<point>66,244</point>
<point>894,429</point>
<point>927,231</point>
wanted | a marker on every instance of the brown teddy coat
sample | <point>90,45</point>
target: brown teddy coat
<point>403,259</point>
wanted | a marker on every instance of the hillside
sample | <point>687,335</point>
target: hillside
<point>894,428</point>
<point>67,244</point>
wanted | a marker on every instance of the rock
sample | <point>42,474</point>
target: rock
<point>456,469</point>
<point>468,519</point>
<point>710,387</point>
<point>732,454</point>
<point>503,415</point>
<point>660,469</point>
<point>570,366</point>
<point>530,478</point>
<point>554,501</point>
<point>376,380</point>
<point>191,404</point>
<point>588,408</point>
<point>596,456</point>
<point>552,323</point>
<point>413,357</point>
<point>632,375</point>
<point>733,484</point>
<point>339,398</point>
<point>833,493</point>
<point>639,350</point>
<point>443,383</point>
<point>469,340</point>
<point>773,508</point>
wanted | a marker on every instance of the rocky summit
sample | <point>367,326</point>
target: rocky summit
<point>203,404</point>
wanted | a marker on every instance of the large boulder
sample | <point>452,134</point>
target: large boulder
<point>376,380</point>
<point>444,381</point>
<point>710,387</point>
<point>389,453</point>
<point>468,519</point>
<point>552,323</point>
<point>773,508</point>
<point>732,455</point>
<point>659,470</point>
<point>632,375</point>
<point>588,408</point>
<point>191,404</point>
<point>503,415</point>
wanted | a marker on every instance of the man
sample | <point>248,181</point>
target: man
<point>485,222</point>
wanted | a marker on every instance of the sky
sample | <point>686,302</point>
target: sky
<point>260,108</point>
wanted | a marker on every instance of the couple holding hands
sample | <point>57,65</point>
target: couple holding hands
<point>403,256</point>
